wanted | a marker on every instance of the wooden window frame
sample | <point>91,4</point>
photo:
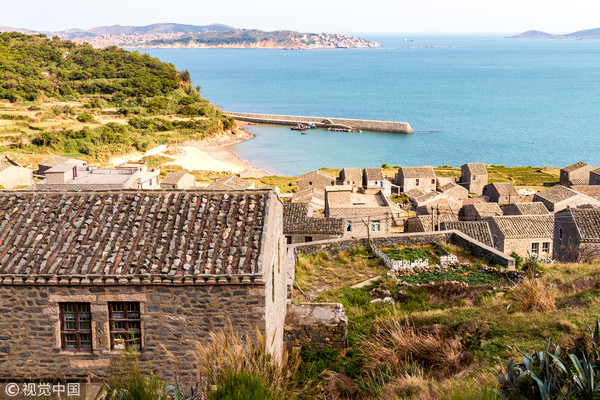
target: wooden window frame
<point>77,331</point>
<point>127,332</point>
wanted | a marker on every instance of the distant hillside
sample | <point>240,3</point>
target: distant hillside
<point>154,29</point>
<point>579,35</point>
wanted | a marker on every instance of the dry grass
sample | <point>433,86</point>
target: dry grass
<point>534,295</point>
<point>396,344</point>
<point>227,352</point>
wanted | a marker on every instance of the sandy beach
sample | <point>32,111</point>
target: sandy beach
<point>210,155</point>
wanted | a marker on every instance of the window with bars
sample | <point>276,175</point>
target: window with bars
<point>76,327</point>
<point>125,325</point>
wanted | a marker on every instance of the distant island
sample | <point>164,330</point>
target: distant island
<point>169,35</point>
<point>579,35</point>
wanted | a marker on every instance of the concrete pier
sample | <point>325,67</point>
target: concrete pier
<point>325,122</point>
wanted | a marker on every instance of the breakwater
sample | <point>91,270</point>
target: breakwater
<point>325,122</point>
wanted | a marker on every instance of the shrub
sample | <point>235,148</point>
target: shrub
<point>130,381</point>
<point>518,260</point>
<point>533,295</point>
<point>86,118</point>
<point>242,385</point>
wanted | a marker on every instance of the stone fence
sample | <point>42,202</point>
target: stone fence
<point>324,122</point>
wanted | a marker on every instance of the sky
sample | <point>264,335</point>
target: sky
<point>347,16</point>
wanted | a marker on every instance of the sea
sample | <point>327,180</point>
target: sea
<point>475,98</point>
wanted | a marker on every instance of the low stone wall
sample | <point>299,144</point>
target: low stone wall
<point>316,325</point>
<point>477,248</point>
<point>325,122</point>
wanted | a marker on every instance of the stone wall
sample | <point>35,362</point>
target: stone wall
<point>176,316</point>
<point>316,325</point>
<point>324,122</point>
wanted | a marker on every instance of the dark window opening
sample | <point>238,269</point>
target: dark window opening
<point>308,238</point>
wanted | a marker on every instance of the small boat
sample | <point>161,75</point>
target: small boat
<point>299,127</point>
<point>340,129</point>
<point>408,40</point>
<point>304,132</point>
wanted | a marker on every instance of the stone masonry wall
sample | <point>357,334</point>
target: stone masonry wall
<point>176,316</point>
<point>316,325</point>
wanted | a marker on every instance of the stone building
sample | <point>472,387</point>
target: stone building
<point>501,193</point>
<point>299,225</point>
<point>313,197</point>
<point>478,230</point>
<point>479,211</point>
<point>178,180</point>
<point>526,235</point>
<point>316,179</point>
<point>534,208</point>
<point>454,190</point>
<point>85,274</point>
<point>592,191</point>
<point>576,174</point>
<point>559,197</point>
<point>422,178</point>
<point>233,182</point>
<point>83,177</point>
<point>12,176</point>
<point>372,178</point>
<point>595,177</point>
<point>53,161</point>
<point>474,177</point>
<point>350,176</point>
<point>427,223</point>
<point>147,177</point>
<point>436,203</point>
<point>577,235</point>
<point>364,212</point>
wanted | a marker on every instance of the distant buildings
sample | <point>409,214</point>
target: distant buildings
<point>422,178</point>
<point>526,235</point>
<point>300,226</point>
<point>501,193</point>
<point>231,183</point>
<point>576,174</point>
<point>474,177</point>
<point>577,234</point>
<point>178,180</point>
<point>316,179</point>
<point>559,197</point>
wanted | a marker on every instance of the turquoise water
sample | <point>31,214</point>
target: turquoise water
<point>500,101</point>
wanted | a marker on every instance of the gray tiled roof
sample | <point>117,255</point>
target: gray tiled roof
<point>373,174</point>
<point>307,194</point>
<point>413,193</point>
<point>588,190</point>
<point>123,233</point>
<point>487,209</point>
<point>417,172</point>
<point>477,168</point>
<point>296,220</point>
<point>428,221</point>
<point>587,221</point>
<point>351,174</point>
<point>233,182</point>
<point>504,188</point>
<point>478,230</point>
<point>173,178</point>
<point>556,194</point>
<point>320,173</point>
<point>535,208</point>
<point>575,166</point>
<point>526,226</point>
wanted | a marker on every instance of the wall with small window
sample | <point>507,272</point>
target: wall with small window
<point>69,331</point>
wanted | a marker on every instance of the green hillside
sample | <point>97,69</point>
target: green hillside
<point>150,101</point>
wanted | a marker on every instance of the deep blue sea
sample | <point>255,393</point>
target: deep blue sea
<point>469,98</point>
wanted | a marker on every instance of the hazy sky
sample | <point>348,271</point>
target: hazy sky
<point>376,16</point>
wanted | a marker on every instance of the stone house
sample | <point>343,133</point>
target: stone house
<point>559,197</point>
<point>299,225</point>
<point>454,190</point>
<point>595,177</point>
<point>178,180</point>
<point>350,176</point>
<point>501,192</point>
<point>436,203</point>
<point>372,178</point>
<point>53,161</point>
<point>364,212</point>
<point>534,208</point>
<point>577,235</point>
<point>85,274</point>
<point>478,230</point>
<point>526,235</point>
<point>576,174</point>
<point>592,191</point>
<point>314,197</point>
<point>12,176</point>
<point>84,177</point>
<point>316,179</point>
<point>479,211</point>
<point>474,177</point>
<point>427,223</point>
<point>422,178</point>
<point>233,182</point>
<point>147,177</point>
